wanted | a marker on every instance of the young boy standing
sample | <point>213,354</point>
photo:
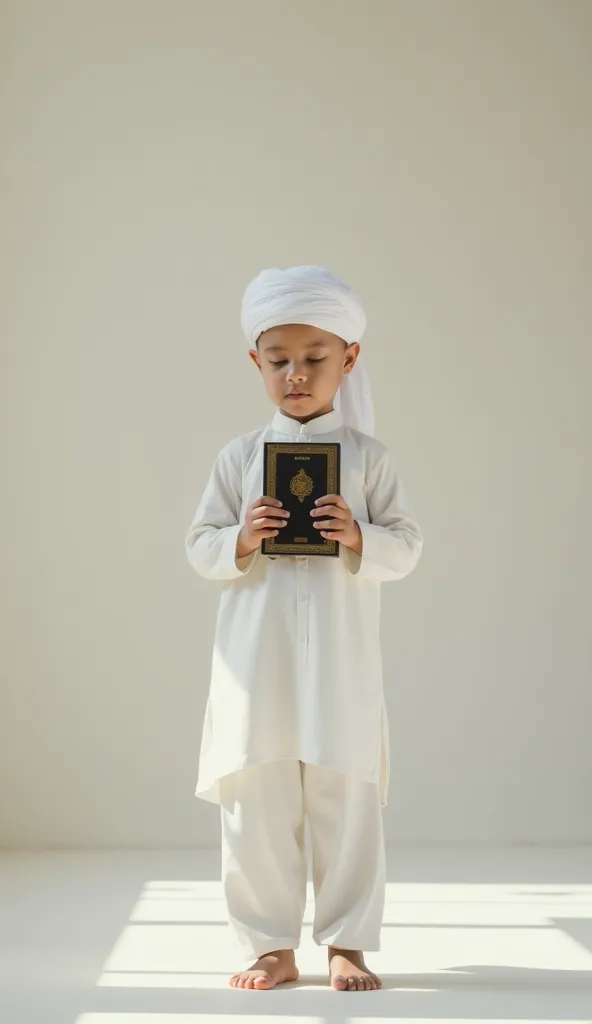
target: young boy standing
<point>295,725</point>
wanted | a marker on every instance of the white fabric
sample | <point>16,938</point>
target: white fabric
<point>315,296</point>
<point>296,666</point>
<point>263,811</point>
<point>354,399</point>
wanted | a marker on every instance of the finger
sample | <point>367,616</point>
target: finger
<point>268,524</point>
<point>330,524</point>
<point>276,509</point>
<point>331,499</point>
<point>331,510</point>
<point>266,500</point>
<point>270,510</point>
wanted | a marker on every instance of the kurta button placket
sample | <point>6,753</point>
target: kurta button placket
<point>302,591</point>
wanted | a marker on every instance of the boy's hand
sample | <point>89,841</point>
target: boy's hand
<point>262,520</point>
<point>337,522</point>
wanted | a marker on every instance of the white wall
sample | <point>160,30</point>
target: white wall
<point>438,154</point>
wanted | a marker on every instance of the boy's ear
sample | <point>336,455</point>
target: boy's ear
<point>351,355</point>
<point>255,357</point>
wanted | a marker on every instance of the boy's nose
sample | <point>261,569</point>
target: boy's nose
<point>296,373</point>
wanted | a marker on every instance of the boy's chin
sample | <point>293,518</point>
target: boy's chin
<point>298,407</point>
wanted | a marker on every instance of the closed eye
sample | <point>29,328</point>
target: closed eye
<point>282,362</point>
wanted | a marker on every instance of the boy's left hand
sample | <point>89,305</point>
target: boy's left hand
<point>337,522</point>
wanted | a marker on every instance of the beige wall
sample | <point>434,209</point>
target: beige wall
<point>438,154</point>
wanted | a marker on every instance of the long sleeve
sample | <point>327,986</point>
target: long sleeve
<point>211,541</point>
<point>391,541</point>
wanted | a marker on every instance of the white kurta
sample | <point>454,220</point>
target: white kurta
<point>297,667</point>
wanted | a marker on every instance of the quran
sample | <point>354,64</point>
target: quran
<point>298,474</point>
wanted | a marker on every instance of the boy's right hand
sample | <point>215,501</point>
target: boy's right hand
<point>262,520</point>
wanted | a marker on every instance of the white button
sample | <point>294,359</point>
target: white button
<point>302,597</point>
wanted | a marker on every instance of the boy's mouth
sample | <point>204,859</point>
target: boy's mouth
<point>297,394</point>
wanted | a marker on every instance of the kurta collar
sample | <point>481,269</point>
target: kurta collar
<point>320,425</point>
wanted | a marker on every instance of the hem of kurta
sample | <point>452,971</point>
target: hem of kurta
<point>210,790</point>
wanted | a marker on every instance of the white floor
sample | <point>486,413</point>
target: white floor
<point>140,938</point>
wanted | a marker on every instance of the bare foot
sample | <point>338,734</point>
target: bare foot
<point>269,971</point>
<point>348,972</point>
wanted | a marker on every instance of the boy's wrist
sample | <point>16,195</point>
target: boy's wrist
<point>357,547</point>
<point>243,550</point>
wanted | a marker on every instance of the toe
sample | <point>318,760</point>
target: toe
<point>340,982</point>
<point>367,983</point>
<point>351,984</point>
<point>264,981</point>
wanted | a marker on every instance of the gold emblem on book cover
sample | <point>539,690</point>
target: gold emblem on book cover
<point>301,485</point>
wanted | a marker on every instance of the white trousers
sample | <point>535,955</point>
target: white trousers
<point>264,808</point>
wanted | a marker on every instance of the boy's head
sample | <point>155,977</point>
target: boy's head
<point>304,326</point>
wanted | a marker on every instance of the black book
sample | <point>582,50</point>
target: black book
<point>298,474</point>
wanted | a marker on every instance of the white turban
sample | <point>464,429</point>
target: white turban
<point>313,295</point>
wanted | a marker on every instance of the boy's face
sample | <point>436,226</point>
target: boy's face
<point>302,368</point>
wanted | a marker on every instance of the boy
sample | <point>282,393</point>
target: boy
<point>295,724</point>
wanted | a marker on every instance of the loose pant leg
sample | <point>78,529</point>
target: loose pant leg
<point>349,874</point>
<point>263,856</point>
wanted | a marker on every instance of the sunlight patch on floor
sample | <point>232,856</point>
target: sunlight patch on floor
<point>177,936</point>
